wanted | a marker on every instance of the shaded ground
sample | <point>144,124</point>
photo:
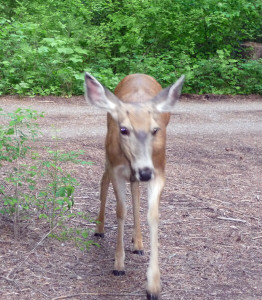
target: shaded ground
<point>211,217</point>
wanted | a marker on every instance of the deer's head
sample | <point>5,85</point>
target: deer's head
<point>141,128</point>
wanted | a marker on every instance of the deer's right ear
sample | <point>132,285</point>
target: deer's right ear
<point>98,95</point>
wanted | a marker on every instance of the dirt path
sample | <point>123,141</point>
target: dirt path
<point>76,119</point>
<point>211,210</point>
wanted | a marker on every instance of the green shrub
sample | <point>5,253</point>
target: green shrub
<point>45,47</point>
<point>34,185</point>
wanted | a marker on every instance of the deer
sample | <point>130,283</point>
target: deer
<point>138,113</point>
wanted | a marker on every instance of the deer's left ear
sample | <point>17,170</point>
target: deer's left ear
<point>166,99</point>
<point>98,95</point>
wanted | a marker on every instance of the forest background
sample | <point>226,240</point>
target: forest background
<point>45,46</point>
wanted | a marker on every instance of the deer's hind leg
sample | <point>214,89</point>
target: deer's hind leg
<point>103,195</point>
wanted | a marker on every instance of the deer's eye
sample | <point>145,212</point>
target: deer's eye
<point>124,131</point>
<point>155,131</point>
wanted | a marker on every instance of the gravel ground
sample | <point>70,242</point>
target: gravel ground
<point>211,218</point>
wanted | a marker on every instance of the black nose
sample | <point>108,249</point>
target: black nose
<point>145,174</point>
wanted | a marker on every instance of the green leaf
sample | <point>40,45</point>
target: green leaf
<point>76,59</point>
<point>61,192</point>
<point>10,131</point>
<point>65,50</point>
<point>69,190</point>
<point>43,49</point>
<point>31,187</point>
<point>43,216</point>
<point>80,50</point>
<point>84,234</point>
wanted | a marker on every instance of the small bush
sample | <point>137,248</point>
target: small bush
<point>36,185</point>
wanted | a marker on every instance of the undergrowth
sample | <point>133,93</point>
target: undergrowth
<point>37,185</point>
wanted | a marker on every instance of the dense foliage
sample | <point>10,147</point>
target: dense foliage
<point>45,46</point>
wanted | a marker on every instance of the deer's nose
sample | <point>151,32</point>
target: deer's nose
<point>145,174</point>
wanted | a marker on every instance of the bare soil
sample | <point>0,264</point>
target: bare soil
<point>211,210</point>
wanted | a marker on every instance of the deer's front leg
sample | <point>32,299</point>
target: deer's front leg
<point>137,235</point>
<point>119,186</point>
<point>155,188</point>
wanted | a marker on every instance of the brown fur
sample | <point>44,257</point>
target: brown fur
<point>135,144</point>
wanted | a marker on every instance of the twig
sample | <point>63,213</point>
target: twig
<point>257,237</point>
<point>231,219</point>
<point>26,258</point>
<point>98,294</point>
<point>13,281</point>
<point>8,279</point>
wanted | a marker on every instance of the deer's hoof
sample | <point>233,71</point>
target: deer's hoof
<point>151,296</point>
<point>138,252</point>
<point>101,235</point>
<point>119,273</point>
